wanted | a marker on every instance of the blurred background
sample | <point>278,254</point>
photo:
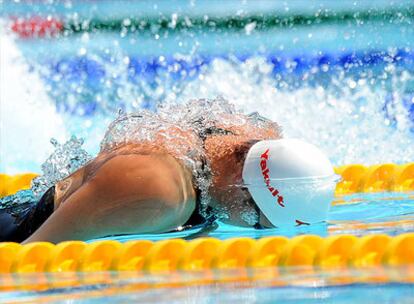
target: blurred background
<point>336,73</point>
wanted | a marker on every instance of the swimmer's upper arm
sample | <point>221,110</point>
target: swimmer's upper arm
<point>129,194</point>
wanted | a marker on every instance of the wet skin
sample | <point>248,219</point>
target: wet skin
<point>121,192</point>
<point>145,189</point>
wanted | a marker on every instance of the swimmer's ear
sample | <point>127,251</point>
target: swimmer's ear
<point>241,150</point>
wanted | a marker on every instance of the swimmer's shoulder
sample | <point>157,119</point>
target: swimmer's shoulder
<point>154,164</point>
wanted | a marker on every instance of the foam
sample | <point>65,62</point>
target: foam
<point>28,119</point>
<point>346,117</point>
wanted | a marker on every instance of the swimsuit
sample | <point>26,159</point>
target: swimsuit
<point>17,223</point>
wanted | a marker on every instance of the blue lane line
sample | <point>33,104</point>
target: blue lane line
<point>74,68</point>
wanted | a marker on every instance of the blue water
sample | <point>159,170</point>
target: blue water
<point>349,88</point>
<point>359,215</point>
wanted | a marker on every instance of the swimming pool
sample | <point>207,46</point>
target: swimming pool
<point>338,75</point>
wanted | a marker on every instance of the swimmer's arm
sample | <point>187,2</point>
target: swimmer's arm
<point>129,194</point>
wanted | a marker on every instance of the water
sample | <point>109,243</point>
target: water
<point>347,101</point>
<point>110,287</point>
<point>89,90</point>
<point>361,214</point>
<point>345,86</point>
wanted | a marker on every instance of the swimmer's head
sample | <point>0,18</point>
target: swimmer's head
<point>226,152</point>
<point>291,181</point>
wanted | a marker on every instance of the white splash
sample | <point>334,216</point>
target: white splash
<point>28,119</point>
<point>346,118</point>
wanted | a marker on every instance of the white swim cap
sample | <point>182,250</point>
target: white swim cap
<point>291,181</point>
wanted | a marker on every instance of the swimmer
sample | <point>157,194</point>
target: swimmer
<point>157,174</point>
